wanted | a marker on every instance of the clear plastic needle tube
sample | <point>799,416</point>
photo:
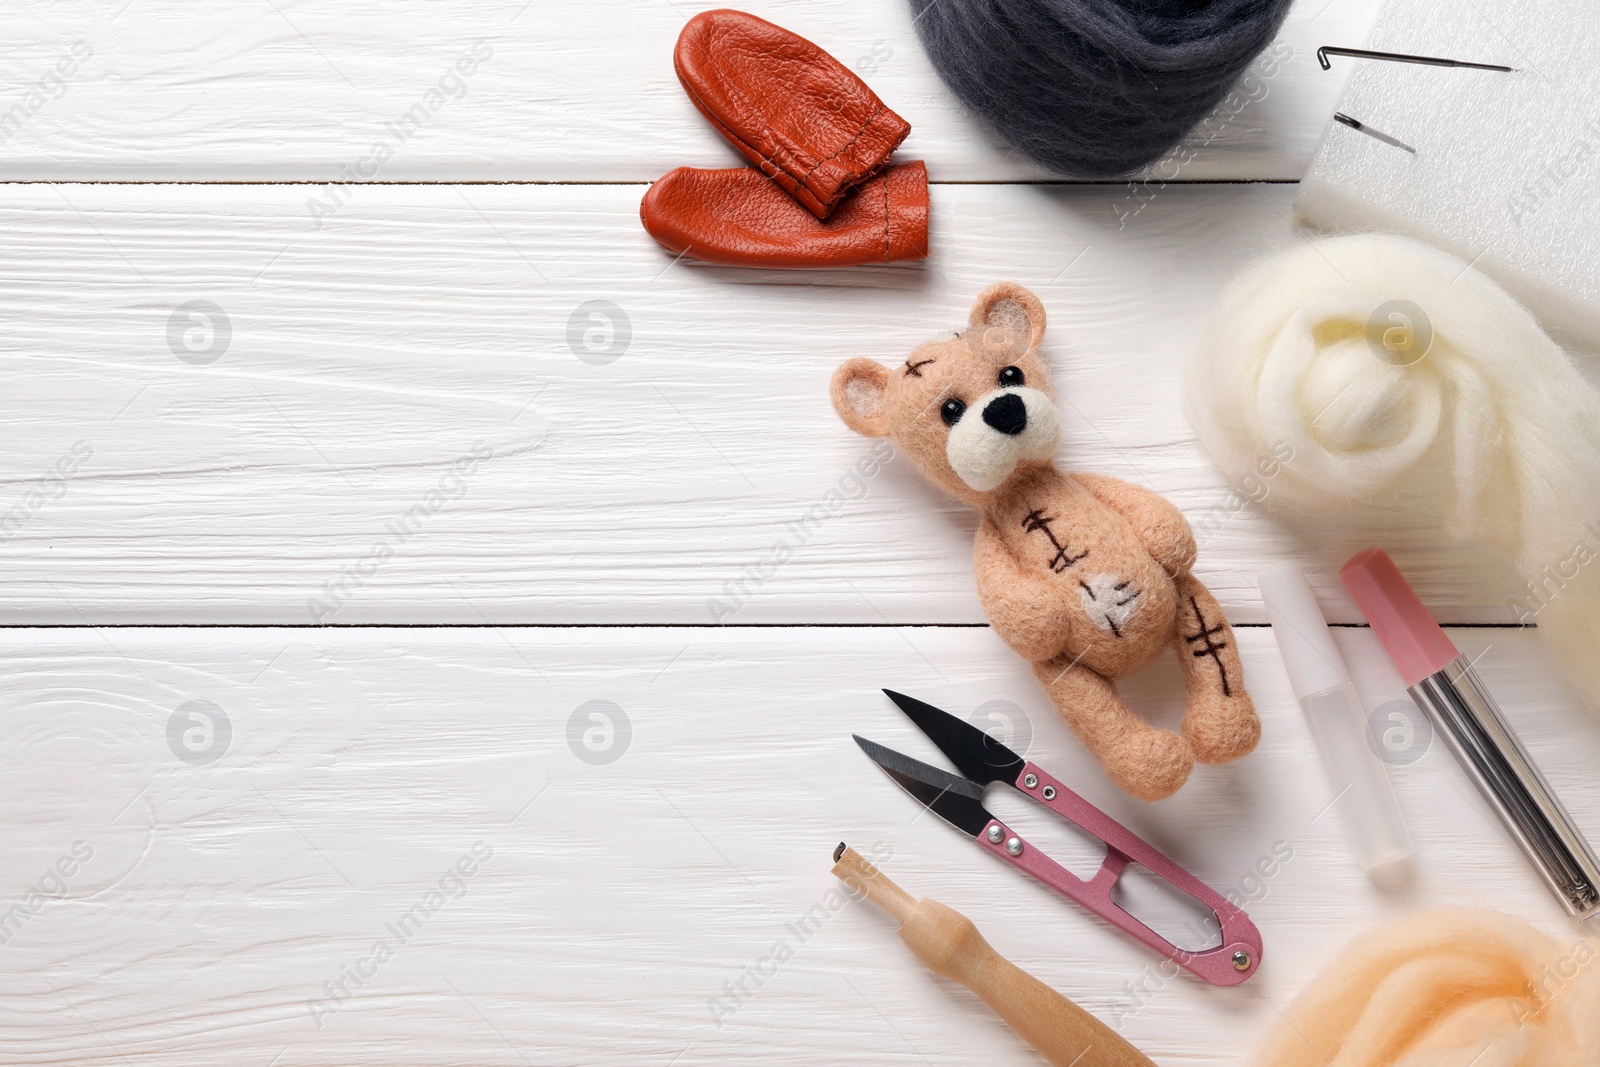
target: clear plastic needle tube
<point>1363,794</point>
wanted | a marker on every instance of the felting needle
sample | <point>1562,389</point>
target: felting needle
<point>1400,57</point>
<point>1357,124</point>
<point>949,945</point>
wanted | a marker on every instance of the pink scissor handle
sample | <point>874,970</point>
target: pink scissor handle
<point>1230,963</point>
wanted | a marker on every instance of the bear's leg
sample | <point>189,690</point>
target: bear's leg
<point>1143,760</point>
<point>1218,719</point>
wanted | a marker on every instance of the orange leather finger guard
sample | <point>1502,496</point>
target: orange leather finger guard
<point>796,113</point>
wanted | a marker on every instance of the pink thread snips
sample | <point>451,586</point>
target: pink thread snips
<point>959,801</point>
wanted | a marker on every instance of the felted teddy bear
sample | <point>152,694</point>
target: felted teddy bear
<point>1085,576</point>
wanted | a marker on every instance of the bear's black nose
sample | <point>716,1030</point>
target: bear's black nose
<point>1007,413</point>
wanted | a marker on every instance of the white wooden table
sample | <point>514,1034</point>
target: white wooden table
<point>311,600</point>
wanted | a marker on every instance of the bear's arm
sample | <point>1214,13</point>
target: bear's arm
<point>1025,609</point>
<point>1160,526</point>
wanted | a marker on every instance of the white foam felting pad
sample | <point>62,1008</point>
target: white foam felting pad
<point>1505,169</point>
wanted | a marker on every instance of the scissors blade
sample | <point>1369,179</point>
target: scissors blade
<point>954,799</point>
<point>976,754</point>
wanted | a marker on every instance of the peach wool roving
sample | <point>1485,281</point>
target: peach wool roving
<point>1447,987</point>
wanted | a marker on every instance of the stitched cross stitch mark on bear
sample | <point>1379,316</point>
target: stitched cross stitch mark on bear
<point>1210,648</point>
<point>1036,521</point>
<point>1107,601</point>
<point>914,370</point>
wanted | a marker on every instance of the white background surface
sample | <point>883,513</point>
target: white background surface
<point>183,560</point>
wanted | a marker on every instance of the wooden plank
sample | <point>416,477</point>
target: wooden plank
<point>322,467</point>
<point>629,885</point>
<point>296,90</point>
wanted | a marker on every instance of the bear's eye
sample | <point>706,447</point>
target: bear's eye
<point>952,411</point>
<point>1010,378</point>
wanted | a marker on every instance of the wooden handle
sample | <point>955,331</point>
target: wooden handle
<point>949,945</point>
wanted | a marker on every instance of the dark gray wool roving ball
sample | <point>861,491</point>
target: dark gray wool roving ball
<point>1094,88</point>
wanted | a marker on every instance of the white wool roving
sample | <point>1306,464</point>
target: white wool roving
<point>1365,353</point>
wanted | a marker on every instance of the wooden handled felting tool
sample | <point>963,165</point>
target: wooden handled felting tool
<point>949,945</point>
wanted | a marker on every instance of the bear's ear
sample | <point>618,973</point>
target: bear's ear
<point>1012,320</point>
<point>858,389</point>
